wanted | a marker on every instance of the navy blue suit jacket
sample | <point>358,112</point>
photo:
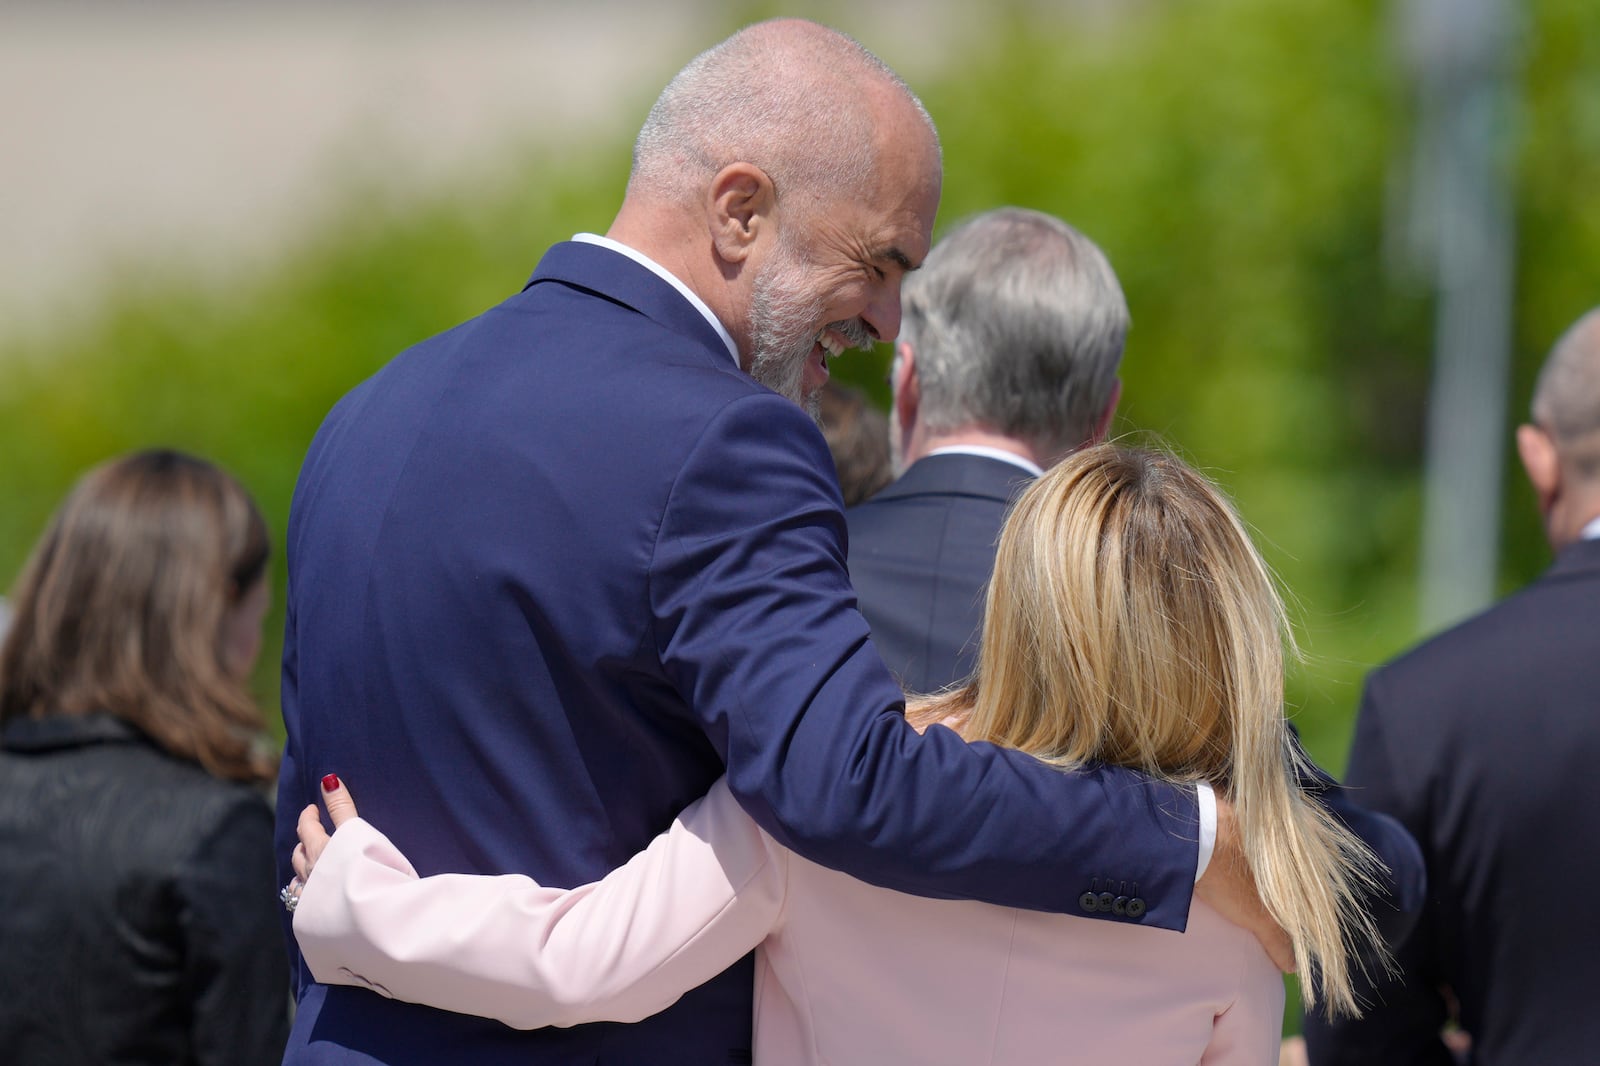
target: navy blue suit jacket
<point>1484,743</point>
<point>553,571</point>
<point>921,552</point>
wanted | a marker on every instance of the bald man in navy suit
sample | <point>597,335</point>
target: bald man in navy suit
<point>556,570</point>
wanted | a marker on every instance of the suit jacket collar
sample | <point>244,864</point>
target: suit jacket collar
<point>961,475</point>
<point>1580,559</point>
<point>603,273</point>
<point>59,731</point>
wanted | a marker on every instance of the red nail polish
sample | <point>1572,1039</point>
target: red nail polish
<point>330,782</point>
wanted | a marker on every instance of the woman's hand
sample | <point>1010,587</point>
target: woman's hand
<point>1230,887</point>
<point>313,838</point>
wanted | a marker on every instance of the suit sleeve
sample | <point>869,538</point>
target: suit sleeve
<point>698,899</point>
<point>1403,1015</point>
<point>757,627</point>
<point>1402,883</point>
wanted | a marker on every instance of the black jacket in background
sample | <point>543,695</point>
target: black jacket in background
<point>1484,742</point>
<point>137,905</point>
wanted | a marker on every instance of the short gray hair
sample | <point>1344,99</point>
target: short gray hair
<point>1566,399</point>
<point>784,95</point>
<point>1017,323</point>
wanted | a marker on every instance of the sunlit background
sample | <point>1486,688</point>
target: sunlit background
<point>1348,231</point>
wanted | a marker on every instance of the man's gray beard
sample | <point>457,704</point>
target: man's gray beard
<point>782,332</point>
<point>783,370</point>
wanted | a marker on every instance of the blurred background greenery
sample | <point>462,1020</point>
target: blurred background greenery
<point>1237,160</point>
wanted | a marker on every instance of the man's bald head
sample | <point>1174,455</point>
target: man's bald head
<point>1561,449</point>
<point>1566,400</point>
<point>803,102</point>
<point>790,180</point>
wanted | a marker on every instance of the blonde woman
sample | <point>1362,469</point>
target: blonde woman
<point>1130,620</point>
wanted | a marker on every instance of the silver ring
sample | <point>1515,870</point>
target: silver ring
<point>289,895</point>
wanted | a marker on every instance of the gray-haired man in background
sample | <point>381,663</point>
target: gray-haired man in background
<point>1007,360</point>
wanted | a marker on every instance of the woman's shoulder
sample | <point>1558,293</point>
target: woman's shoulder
<point>161,797</point>
<point>183,784</point>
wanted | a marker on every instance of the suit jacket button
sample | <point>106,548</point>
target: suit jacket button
<point>1106,900</point>
<point>1135,908</point>
<point>1119,905</point>
<point>1089,902</point>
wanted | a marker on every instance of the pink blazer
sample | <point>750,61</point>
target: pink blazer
<point>846,973</point>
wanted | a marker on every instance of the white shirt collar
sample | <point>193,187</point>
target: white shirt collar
<point>991,453</point>
<point>1591,531</point>
<point>665,275</point>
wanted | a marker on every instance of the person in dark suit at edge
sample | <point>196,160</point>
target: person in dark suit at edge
<point>1483,741</point>
<point>472,628</point>
<point>1006,364</point>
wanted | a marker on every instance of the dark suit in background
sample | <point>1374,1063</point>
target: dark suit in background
<point>921,552</point>
<point>1006,363</point>
<point>1484,742</point>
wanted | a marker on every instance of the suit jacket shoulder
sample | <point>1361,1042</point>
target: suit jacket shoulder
<point>921,552</point>
<point>1482,742</point>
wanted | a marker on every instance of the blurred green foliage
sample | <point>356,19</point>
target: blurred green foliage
<point>1237,160</point>
<point>244,375</point>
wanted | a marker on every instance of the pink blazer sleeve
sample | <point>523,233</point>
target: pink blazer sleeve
<point>701,896</point>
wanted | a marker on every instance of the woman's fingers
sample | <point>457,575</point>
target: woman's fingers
<point>341,808</point>
<point>313,838</point>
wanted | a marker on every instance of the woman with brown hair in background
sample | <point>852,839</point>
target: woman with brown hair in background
<point>136,900</point>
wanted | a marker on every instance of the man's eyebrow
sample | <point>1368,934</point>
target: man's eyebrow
<point>899,259</point>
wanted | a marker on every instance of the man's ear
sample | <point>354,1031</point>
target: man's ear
<point>905,390</point>
<point>1539,459</point>
<point>739,206</point>
<point>1102,425</point>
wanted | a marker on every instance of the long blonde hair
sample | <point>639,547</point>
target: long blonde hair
<point>1130,620</point>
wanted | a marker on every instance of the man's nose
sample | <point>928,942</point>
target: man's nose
<point>882,315</point>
